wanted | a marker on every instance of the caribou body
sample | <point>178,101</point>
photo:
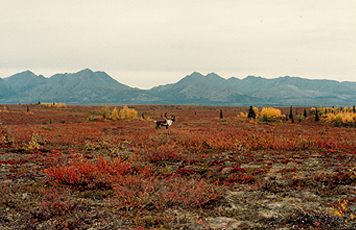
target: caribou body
<point>167,122</point>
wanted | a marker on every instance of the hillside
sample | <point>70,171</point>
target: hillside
<point>283,91</point>
<point>83,87</point>
<point>196,88</point>
<point>88,87</point>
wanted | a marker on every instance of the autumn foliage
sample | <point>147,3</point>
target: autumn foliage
<point>127,114</point>
<point>340,118</point>
<point>270,112</point>
<point>89,174</point>
<point>62,170</point>
<point>114,115</point>
<point>53,105</point>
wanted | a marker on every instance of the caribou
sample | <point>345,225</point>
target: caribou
<point>167,122</point>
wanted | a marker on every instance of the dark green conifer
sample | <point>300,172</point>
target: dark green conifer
<point>291,114</point>
<point>317,115</point>
<point>251,113</point>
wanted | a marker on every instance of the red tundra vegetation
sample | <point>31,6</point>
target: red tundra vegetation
<point>68,167</point>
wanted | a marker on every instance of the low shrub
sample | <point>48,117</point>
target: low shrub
<point>162,193</point>
<point>105,112</point>
<point>127,114</point>
<point>340,118</point>
<point>270,114</point>
<point>89,174</point>
<point>53,105</point>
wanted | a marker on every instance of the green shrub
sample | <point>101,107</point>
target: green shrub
<point>105,112</point>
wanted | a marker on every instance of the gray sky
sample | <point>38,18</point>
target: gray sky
<point>149,42</point>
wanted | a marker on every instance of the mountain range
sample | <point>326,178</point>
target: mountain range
<point>88,87</point>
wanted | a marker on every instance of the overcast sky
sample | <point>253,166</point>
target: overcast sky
<point>149,42</point>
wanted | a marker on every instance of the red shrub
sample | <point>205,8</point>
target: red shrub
<point>157,156</point>
<point>240,179</point>
<point>13,162</point>
<point>88,173</point>
<point>185,171</point>
<point>159,193</point>
<point>55,203</point>
<point>238,169</point>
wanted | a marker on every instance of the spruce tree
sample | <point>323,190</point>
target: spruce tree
<point>317,115</point>
<point>305,113</point>
<point>354,109</point>
<point>221,114</point>
<point>251,113</point>
<point>291,114</point>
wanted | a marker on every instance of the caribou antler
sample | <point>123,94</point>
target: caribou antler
<point>164,117</point>
<point>167,122</point>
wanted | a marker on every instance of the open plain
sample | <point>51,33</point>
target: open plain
<point>69,168</point>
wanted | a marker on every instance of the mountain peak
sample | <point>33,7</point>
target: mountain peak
<point>28,72</point>
<point>24,75</point>
<point>251,77</point>
<point>195,74</point>
<point>212,74</point>
<point>86,70</point>
<point>198,78</point>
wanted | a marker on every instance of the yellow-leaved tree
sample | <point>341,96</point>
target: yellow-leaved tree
<point>340,118</point>
<point>256,111</point>
<point>114,115</point>
<point>128,114</point>
<point>268,113</point>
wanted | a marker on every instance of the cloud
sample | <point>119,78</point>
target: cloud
<point>237,38</point>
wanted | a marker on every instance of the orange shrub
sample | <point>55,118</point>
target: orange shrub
<point>128,114</point>
<point>340,118</point>
<point>53,105</point>
<point>114,115</point>
<point>271,113</point>
<point>242,115</point>
<point>255,109</point>
<point>60,105</point>
<point>4,110</point>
